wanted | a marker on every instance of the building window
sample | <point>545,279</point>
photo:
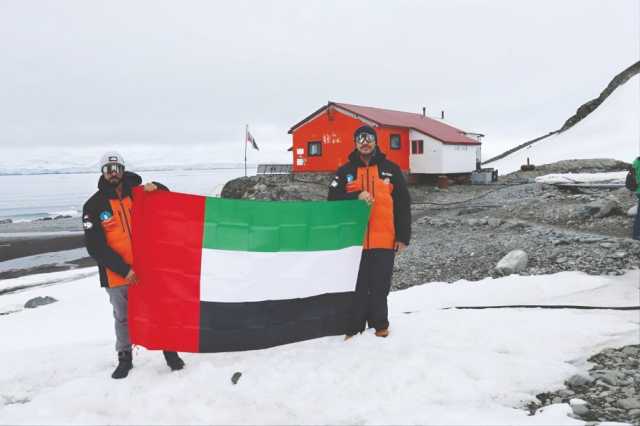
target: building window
<point>417,147</point>
<point>315,149</point>
<point>394,142</point>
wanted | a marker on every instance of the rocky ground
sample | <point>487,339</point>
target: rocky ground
<point>610,392</point>
<point>463,232</point>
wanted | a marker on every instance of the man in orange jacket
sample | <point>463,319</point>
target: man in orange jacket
<point>106,218</point>
<point>370,177</point>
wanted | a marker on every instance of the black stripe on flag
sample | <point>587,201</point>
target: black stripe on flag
<point>227,327</point>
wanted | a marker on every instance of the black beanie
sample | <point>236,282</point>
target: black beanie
<point>365,129</point>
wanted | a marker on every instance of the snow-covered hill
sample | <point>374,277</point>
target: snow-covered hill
<point>611,131</point>
<point>68,159</point>
<point>437,367</point>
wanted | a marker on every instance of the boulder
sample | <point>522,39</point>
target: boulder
<point>579,380</point>
<point>579,406</point>
<point>39,301</point>
<point>236,376</point>
<point>629,403</point>
<point>515,261</point>
<point>598,209</point>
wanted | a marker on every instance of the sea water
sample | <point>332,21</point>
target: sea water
<point>26,198</point>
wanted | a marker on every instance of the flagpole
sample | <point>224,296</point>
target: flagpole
<point>246,135</point>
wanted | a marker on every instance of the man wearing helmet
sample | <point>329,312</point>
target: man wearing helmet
<point>106,218</point>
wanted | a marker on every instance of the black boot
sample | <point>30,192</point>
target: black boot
<point>173,360</point>
<point>124,365</point>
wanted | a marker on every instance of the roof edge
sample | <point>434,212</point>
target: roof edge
<point>309,117</point>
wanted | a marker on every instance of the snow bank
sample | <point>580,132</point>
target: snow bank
<point>609,177</point>
<point>437,367</point>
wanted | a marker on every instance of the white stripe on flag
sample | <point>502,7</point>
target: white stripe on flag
<point>241,276</point>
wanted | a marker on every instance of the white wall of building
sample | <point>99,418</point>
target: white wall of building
<point>430,159</point>
<point>438,158</point>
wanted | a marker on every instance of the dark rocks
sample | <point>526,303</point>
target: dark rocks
<point>10,400</point>
<point>39,301</point>
<point>58,217</point>
<point>599,209</point>
<point>5,221</point>
<point>469,210</point>
<point>614,395</point>
<point>301,186</point>
<point>236,376</point>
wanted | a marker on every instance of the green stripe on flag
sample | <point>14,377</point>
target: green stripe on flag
<point>271,226</point>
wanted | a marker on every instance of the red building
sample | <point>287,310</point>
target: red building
<point>418,144</point>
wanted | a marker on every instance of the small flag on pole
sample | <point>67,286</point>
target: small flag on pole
<point>252,141</point>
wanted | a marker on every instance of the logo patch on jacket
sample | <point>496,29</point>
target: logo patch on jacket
<point>386,174</point>
<point>349,178</point>
<point>105,215</point>
<point>86,222</point>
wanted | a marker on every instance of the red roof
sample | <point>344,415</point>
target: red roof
<point>386,117</point>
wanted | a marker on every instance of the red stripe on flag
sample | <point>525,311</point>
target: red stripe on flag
<point>164,307</point>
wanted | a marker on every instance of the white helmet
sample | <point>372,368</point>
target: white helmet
<point>112,157</point>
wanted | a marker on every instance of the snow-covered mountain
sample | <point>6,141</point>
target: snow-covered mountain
<point>66,159</point>
<point>611,131</point>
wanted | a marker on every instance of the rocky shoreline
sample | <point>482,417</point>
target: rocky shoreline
<point>609,392</point>
<point>463,232</point>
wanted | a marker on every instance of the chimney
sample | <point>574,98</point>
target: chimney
<point>424,111</point>
<point>442,114</point>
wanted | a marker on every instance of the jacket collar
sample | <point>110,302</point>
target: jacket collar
<point>376,158</point>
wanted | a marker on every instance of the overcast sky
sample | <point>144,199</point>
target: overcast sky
<point>76,73</point>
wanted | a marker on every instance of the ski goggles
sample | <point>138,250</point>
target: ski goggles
<point>108,169</point>
<point>363,138</point>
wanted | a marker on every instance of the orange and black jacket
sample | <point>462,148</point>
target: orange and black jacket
<point>106,219</point>
<point>390,219</point>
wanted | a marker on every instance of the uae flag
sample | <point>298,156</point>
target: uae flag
<point>222,275</point>
<point>252,141</point>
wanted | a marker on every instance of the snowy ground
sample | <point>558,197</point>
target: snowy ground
<point>55,258</point>
<point>609,177</point>
<point>437,367</point>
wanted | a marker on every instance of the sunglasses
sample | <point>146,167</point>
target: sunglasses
<point>108,169</point>
<point>363,138</point>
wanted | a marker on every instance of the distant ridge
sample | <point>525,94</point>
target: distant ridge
<point>583,111</point>
<point>92,169</point>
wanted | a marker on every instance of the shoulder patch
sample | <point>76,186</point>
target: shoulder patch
<point>86,222</point>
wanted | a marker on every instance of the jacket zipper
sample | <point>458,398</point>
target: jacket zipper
<point>373,188</point>
<point>368,225</point>
<point>121,221</point>
<point>126,221</point>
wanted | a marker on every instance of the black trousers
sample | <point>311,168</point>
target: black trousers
<point>372,289</point>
